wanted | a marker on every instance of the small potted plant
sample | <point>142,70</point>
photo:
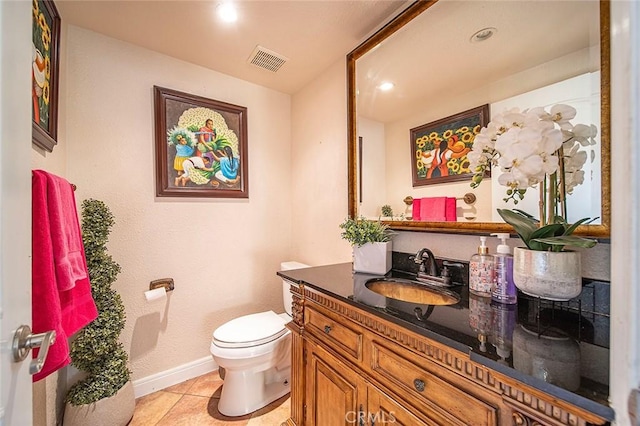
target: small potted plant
<point>371,242</point>
<point>387,211</point>
<point>539,148</point>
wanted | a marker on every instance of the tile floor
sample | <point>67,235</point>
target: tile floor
<point>195,403</point>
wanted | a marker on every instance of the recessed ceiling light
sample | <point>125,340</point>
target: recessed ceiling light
<point>227,12</point>
<point>483,35</point>
<point>386,86</point>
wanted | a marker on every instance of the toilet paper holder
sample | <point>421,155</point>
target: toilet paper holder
<point>167,283</point>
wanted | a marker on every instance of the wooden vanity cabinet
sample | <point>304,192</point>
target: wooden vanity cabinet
<point>352,367</point>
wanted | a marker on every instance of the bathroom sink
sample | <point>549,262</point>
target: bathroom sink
<point>411,291</point>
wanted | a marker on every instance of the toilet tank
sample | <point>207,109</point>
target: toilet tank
<point>287,297</point>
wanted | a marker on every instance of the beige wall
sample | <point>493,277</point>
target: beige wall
<point>319,168</point>
<point>222,254</point>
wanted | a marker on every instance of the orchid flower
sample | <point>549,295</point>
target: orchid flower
<point>535,147</point>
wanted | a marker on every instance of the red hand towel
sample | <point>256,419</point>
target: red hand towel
<point>65,311</point>
<point>450,210</point>
<point>46,312</point>
<point>432,209</point>
<point>415,209</point>
<point>68,250</point>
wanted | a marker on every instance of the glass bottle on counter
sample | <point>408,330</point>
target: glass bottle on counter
<point>481,271</point>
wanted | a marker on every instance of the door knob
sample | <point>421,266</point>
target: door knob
<point>24,341</point>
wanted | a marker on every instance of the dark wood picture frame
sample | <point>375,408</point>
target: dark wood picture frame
<point>439,148</point>
<point>201,146</point>
<point>44,74</point>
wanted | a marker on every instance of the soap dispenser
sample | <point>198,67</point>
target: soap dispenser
<point>481,270</point>
<point>504,289</point>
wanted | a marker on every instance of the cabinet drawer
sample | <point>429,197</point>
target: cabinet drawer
<point>336,334</point>
<point>427,389</point>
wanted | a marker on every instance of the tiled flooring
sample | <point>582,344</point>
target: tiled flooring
<point>195,403</point>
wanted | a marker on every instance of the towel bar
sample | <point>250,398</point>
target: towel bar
<point>469,198</point>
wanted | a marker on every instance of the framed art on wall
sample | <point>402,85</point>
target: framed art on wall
<point>439,149</point>
<point>44,73</point>
<point>201,146</point>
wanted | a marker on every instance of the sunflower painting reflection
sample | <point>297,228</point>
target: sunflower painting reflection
<point>439,149</point>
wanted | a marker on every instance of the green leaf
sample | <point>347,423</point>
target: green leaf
<point>524,226</point>
<point>568,240</point>
<point>573,227</point>
<point>551,230</point>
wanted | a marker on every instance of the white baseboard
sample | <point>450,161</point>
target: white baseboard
<point>179,374</point>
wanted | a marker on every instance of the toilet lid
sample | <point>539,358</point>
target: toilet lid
<point>250,330</point>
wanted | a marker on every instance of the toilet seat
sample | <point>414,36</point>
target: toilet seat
<point>250,330</point>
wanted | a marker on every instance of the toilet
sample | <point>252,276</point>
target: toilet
<point>255,352</point>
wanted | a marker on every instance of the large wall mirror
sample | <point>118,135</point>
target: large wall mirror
<point>445,57</point>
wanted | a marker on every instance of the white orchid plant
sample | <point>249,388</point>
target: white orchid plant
<point>536,148</point>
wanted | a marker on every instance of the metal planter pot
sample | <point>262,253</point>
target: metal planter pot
<point>548,275</point>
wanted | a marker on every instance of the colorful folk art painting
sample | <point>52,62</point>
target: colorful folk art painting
<point>202,146</point>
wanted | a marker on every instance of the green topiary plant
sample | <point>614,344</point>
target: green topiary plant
<point>96,349</point>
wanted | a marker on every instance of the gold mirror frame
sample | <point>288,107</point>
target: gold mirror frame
<point>403,19</point>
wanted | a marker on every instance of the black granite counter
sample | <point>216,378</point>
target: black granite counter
<point>560,348</point>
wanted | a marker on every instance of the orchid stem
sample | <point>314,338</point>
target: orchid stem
<point>562,198</point>
<point>543,194</point>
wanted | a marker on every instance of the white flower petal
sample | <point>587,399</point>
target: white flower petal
<point>562,113</point>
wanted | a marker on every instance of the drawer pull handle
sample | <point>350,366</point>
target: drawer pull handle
<point>419,385</point>
<point>327,329</point>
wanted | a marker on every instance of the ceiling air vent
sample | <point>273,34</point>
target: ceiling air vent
<point>266,59</point>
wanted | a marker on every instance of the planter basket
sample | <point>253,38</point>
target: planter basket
<point>116,410</point>
<point>372,258</point>
<point>548,275</point>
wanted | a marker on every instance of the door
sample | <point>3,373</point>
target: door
<point>15,207</point>
<point>383,410</point>
<point>335,394</point>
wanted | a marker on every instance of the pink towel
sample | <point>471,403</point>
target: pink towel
<point>415,209</point>
<point>432,209</point>
<point>68,306</point>
<point>438,209</point>
<point>450,207</point>
<point>65,233</point>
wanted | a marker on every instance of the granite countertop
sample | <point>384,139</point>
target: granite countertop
<point>560,348</point>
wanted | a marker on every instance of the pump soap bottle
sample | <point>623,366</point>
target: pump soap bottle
<point>481,270</point>
<point>504,289</point>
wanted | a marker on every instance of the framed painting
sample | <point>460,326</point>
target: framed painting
<point>439,149</point>
<point>201,146</point>
<point>44,74</point>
